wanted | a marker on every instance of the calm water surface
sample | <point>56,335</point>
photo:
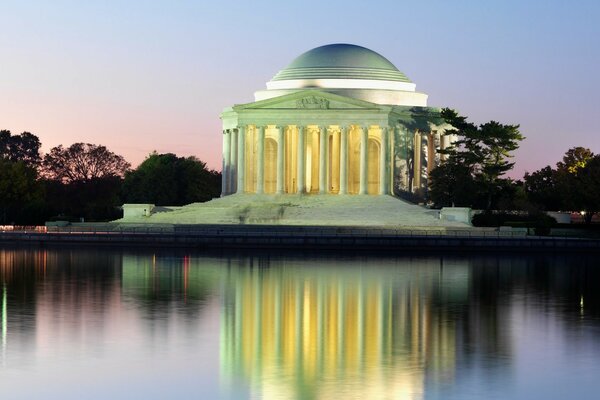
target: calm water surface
<point>112,324</point>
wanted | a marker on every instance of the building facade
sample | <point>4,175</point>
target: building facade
<point>340,119</point>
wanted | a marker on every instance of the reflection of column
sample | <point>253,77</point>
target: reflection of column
<point>301,169</point>
<point>323,160</point>
<point>344,160</point>
<point>417,161</point>
<point>260,174</point>
<point>280,155</point>
<point>341,325</point>
<point>364,160</point>
<point>241,159</point>
<point>383,163</point>
<point>225,169</point>
<point>233,161</point>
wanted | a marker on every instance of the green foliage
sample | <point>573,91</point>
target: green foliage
<point>165,179</point>
<point>574,184</point>
<point>574,159</point>
<point>452,185</point>
<point>475,163</point>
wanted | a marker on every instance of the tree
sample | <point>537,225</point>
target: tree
<point>589,187</point>
<point>82,162</point>
<point>451,184</point>
<point>24,147</point>
<point>573,185</point>
<point>483,150</point>
<point>574,159</point>
<point>165,179</point>
<point>543,188</point>
<point>84,181</point>
<point>18,190</point>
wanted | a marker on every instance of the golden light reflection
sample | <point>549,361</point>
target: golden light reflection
<point>291,332</point>
<point>4,322</point>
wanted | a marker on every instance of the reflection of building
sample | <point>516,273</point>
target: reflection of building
<point>340,119</point>
<point>4,322</point>
<point>300,331</point>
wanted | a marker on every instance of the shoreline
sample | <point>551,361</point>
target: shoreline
<point>243,237</point>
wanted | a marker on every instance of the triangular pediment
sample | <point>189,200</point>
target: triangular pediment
<point>310,100</point>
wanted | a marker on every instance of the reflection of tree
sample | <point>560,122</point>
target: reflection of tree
<point>51,290</point>
<point>161,284</point>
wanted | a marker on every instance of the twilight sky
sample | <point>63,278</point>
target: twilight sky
<point>139,76</point>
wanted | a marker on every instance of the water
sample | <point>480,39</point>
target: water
<point>98,324</point>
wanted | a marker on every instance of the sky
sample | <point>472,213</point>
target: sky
<point>143,76</point>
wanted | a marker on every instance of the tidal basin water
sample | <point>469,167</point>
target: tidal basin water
<point>118,324</point>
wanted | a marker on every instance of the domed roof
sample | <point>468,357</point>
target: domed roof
<point>341,61</point>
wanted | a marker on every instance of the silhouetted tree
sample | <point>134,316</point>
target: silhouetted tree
<point>165,179</point>
<point>451,184</point>
<point>83,181</point>
<point>543,188</point>
<point>82,162</point>
<point>588,178</point>
<point>481,150</point>
<point>24,147</point>
<point>19,190</point>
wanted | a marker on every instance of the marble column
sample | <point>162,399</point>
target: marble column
<point>383,162</point>
<point>280,159</point>
<point>392,157</point>
<point>430,152</point>
<point>233,160</point>
<point>260,173</point>
<point>241,177</point>
<point>344,160</point>
<point>364,160</point>
<point>225,169</point>
<point>417,161</point>
<point>300,181</point>
<point>323,160</point>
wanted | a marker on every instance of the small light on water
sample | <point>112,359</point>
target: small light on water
<point>581,302</point>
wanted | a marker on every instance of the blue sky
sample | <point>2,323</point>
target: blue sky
<point>139,76</point>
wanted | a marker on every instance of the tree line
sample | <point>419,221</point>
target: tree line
<point>472,174</point>
<point>88,181</point>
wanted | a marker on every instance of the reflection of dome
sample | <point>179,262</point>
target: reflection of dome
<point>341,61</point>
<point>348,70</point>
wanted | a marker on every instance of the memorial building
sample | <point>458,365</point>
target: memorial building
<point>340,119</point>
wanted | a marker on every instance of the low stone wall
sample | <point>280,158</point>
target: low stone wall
<point>222,238</point>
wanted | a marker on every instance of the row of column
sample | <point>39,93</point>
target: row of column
<point>234,160</point>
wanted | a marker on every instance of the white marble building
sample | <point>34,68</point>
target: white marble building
<point>340,119</point>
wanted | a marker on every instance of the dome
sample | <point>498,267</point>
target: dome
<point>341,61</point>
<point>346,70</point>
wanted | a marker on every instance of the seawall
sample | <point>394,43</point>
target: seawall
<point>305,238</point>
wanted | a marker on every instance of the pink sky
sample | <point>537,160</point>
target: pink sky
<point>155,75</point>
